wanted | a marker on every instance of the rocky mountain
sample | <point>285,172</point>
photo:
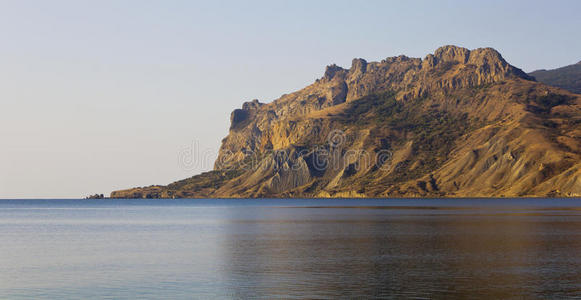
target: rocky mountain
<point>568,77</point>
<point>458,123</point>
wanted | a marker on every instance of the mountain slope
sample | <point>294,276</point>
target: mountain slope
<point>456,123</point>
<point>568,77</point>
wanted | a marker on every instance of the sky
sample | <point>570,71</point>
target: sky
<point>103,95</point>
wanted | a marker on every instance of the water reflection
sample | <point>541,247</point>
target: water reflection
<point>332,252</point>
<point>290,249</point>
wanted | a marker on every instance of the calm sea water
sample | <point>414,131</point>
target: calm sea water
<point>430,248</point>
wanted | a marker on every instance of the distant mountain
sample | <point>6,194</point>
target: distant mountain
<point>457,123</point>
<point>568,77</point>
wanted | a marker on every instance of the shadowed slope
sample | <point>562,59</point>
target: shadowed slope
<point>568,77</point>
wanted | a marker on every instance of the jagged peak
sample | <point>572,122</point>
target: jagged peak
<point>486,55</point>
<point>238,116</point>
<point>358,65</point>
<point>331,71</point>
<point>452,53</point>
<point>395,59</point>
<point>252,104</point>
<point>481,57</point>
<point>487,58</point>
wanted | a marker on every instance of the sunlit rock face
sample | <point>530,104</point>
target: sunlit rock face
<point>457,123</point>
<point>449,68</point>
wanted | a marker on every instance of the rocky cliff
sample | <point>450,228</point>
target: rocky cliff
<point>457,123</point>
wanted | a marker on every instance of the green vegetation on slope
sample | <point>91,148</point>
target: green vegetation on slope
<point>433,132</point>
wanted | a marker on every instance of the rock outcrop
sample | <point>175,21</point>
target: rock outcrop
<point>457,123</point>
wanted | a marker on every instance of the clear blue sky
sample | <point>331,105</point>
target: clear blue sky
<point>103,95</point>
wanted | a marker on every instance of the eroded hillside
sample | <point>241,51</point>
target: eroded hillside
<point>456,123</point>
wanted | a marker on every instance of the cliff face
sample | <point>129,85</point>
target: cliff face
<point>456,123</point>
<point>448,69</point>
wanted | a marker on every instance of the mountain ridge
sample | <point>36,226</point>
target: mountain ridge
<point>457,123</point>
<point>567,77</point>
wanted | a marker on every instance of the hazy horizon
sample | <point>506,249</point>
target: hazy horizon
<point>99,96</point>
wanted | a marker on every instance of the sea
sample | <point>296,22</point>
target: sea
<point>290,248</point>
